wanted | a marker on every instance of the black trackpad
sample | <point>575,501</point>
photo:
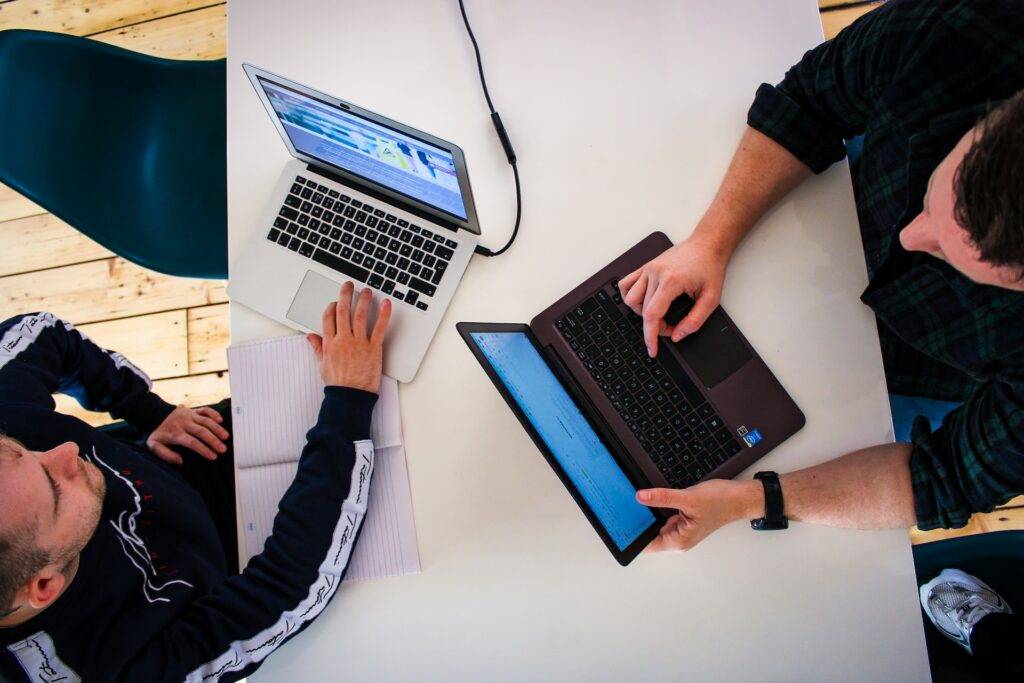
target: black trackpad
<point>715,351</point>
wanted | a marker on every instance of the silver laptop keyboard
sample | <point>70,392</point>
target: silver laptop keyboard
<point>362,242</point>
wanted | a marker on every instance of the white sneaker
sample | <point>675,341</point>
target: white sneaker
<point>955,602</point>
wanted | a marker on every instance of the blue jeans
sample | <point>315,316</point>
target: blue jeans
<point>906,408</point>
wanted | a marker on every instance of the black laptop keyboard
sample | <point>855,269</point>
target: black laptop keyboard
<point>661,405</point>
<point>363,242</point>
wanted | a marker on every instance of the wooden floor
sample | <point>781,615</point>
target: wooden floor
<point>174,328</point>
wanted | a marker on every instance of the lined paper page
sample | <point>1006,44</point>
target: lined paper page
<point>387,542</point>
<point>276,392</point>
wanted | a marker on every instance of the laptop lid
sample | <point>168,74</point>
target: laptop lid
<point>422,173</point>
<point>600,483</point>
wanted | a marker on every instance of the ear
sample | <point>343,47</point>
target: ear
<point>45,587</point>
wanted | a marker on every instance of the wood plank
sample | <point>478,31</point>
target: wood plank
<point>209,335</point>
<point>14,206</point>
<point>825,4</point>
<point>103,290</point>
<point>1004,519</point>
<point>834,21</point>
<point>156,343</point>
<point>78,18</point>
<point>44,241</point>
<point>192,391</point>
<point>200,34</point>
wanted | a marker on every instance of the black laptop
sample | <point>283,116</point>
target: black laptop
<point>611,420</point>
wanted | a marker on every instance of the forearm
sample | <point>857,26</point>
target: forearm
<point>865,489</point>
<point>760,174</point>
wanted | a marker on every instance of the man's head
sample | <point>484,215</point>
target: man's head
<point>50,503</point>
<point>973,216</point>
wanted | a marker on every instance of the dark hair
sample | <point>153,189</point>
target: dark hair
<point>989,187</point>
<point>20,557</point>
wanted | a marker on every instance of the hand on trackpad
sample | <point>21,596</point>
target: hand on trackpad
<point>315,292</point>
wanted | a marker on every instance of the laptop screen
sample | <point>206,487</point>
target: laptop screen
<point>568,435</point>
<point>381,155</point>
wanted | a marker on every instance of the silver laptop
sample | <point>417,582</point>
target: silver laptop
<point>366,199</point>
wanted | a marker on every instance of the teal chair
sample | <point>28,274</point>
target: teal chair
<point>126,148</point>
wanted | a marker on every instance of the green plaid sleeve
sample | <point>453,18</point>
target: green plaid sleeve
<point>974,462</point>
<point>831,93</point>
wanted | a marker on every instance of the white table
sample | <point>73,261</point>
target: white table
<point>624,116</point>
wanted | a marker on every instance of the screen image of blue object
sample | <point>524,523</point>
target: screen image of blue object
<point>570,438</point>
<point>397,161</point>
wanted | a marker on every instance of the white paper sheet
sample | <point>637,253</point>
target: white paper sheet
<point>276,392</point>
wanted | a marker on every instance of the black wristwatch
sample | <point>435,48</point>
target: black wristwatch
<point>773,506</point>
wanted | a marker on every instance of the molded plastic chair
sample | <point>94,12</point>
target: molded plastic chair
<point>127,148</point>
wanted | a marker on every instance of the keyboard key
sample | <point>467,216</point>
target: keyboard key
<point>421,305</point>
<point>380,267</point>
<point>411,296</point>
<point>403,278</point>
<point>303,219</point>
<point>394,230</point>
<point>417,241</point>
<point>392,218</point>
<point>428,261</point>
<point>705,410</point>
<point>412,226</point>
<point>379,213</point>
<point>306,193</point>
<point>341,266</point>
<point>280,223</point>
<point>322,188</point>
<point>405,224</point>
<point>403,263</point>
<point>346,238</point>
<point>334,247</point>
<point>436,279</point>
<point>376,281</point>
<point>415,268</point>
<point>380,252</point>
<point>329,216</point>
<point>333,194</point>
<point>426,233</point>
<point>292,228</point>
<point>371,221</point>
<point>391,258</point>
<point>398,295</point>
<point>328,204</point>
<point>360,230</point>
<point>451,244</point>
<point>356,203</point>
<point>346,252</point>
<point>394,245</point>
<point>368,209</point>
<point>421,286</point>
<point>350,226</point>
<point>283,239</point>
<point>438,238</point>
<point>345,199</point>
<point>306,249</point>
<point>303,233</point>
<point>429,247</point>
<point>369,262</point>
<point>444,253</point>
<point>289,213</point>
<point>273,235</point>
<point>426,274</point>
<point>317,198</point>
<point>361,217</point>
<point>336,234</point>
<point>306,207</point>
<point>391,272</point>
<point>349,212</point>
<point>300,180</point>
<point>357,257</point>
<point>417,256</point>
<point>405,236</point>
<point>389,286</point>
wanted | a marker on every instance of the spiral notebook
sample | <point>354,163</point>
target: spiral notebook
<point>275,398</point>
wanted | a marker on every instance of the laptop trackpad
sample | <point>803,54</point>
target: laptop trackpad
<point>315,292</point>
<point>715,351</point>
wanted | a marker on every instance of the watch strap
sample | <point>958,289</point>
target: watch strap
<point>774,516</point>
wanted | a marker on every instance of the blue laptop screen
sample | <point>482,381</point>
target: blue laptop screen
<point>369,150</point>
<point>570,438</point>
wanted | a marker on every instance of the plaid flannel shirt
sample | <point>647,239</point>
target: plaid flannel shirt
<point>912,77</point>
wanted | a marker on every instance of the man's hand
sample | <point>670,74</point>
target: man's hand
<point>348,356</point>
<point>695,267</point>
<point>197,429</point>
<point>703,508</point>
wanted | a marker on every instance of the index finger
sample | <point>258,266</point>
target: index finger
<point>380,328</point>
<point>655,305</point>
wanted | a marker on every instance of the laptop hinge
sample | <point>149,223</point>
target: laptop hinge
<point>593,415</point>
<point>377,194</point>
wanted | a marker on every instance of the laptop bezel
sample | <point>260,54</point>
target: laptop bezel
<point>623,557</point>
<point>470,224</point>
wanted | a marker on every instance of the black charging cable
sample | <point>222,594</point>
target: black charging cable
<point>506,144</point>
